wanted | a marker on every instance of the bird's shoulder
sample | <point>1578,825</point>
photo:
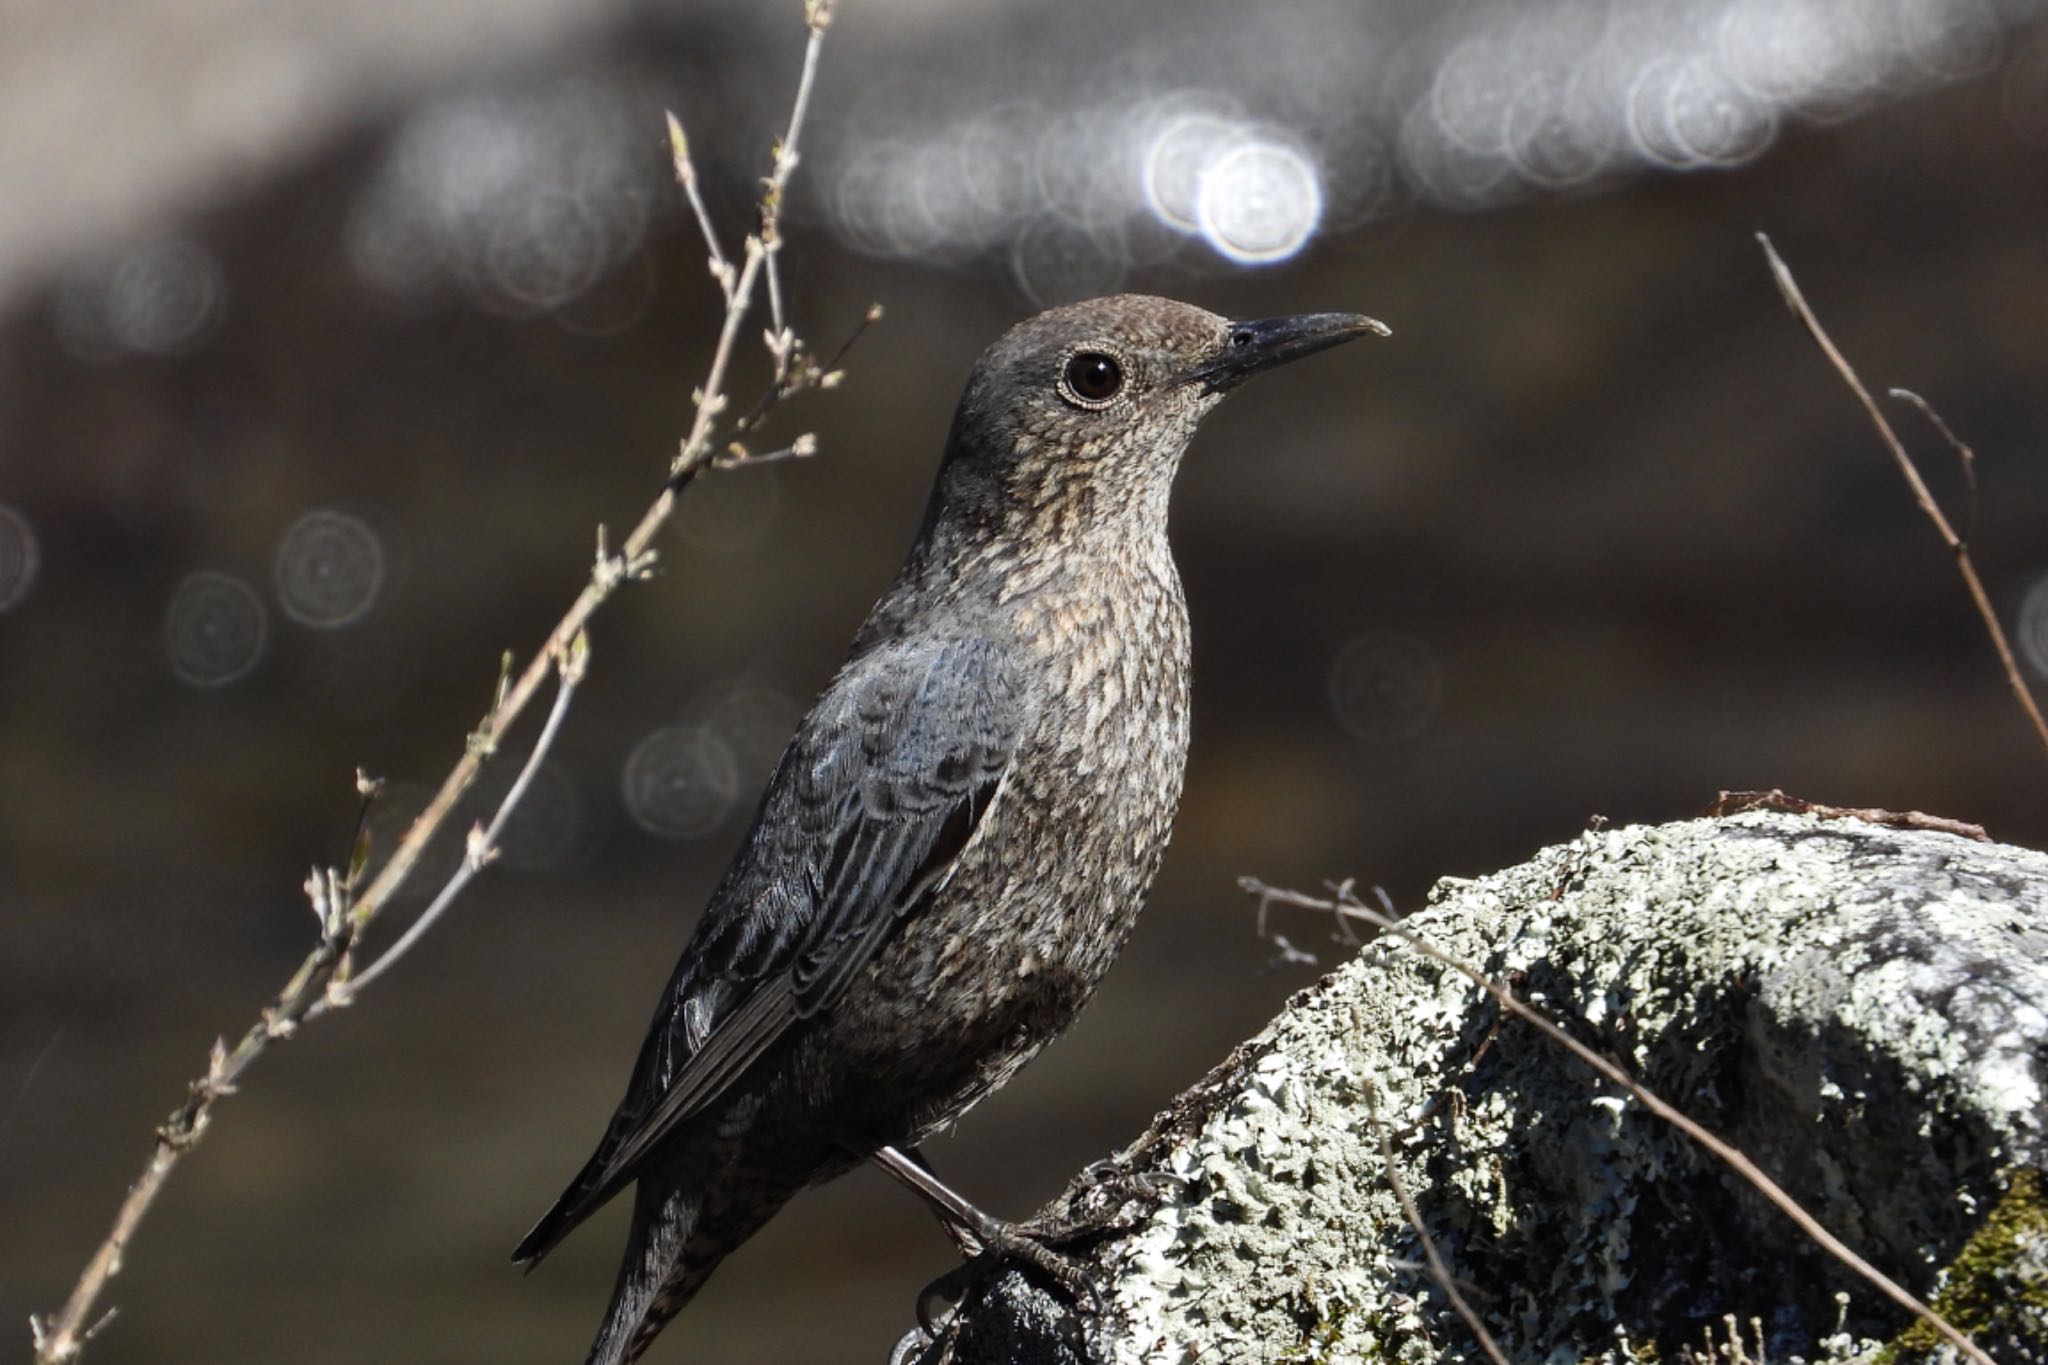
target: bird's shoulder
<point>908,732</point>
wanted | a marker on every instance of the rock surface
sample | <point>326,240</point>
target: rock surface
<point>1862,1009</point>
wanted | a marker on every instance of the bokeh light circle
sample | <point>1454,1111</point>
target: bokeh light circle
<point>1712,119</point>
<point>525,197</point>
<point>21,558</point>
<point>1386,686</point>
<point>1469,107</point>
<point>680,782</point>
<point>329,569</point>
<point>215,629</point>
<point>756,723</point>
<point>1260,202</point>
<point>542,250</point>
<point>163,298</point>
<point>1174,161</point>
<point>2031,627</point>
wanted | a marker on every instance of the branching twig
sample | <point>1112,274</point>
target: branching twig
<point>343,914</point>
<point>1958,545</point>
<point>1965,456</point>
<point>1347,905</point>
<point>483,842</point>
<point>686,176</point>
<point>809,374</point>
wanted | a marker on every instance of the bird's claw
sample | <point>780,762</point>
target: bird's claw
<point>1007,1244</point>
<point>1098,1203</point>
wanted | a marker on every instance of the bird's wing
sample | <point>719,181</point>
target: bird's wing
<point>883,786</point>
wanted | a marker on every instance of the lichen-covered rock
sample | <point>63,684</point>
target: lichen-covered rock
<point>1862,1009</point>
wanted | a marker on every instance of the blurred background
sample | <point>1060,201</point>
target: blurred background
<point>329,333</point>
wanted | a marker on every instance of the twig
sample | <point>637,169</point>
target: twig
<point>1965,456</point>
<point>62,1338</point>
<point>1957,545</point>
<point>1734,803</point>
<point>761,248</point>
<point>1348,905</point>
<point>686,176</point>
<point>483,844</point>
<point>1438,1271</point>
<point>343,915</point>
<point>735,455</point>
<point>784,383</point>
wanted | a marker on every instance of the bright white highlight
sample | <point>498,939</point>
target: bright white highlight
<point>1076,165</point>
<point>1260,202</point>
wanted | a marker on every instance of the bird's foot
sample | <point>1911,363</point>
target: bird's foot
<point>1003,1245</point>
<point>1015,1271</point>
<point>1104,1198</point>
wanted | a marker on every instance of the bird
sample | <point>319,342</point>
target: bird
<point>958,839</point>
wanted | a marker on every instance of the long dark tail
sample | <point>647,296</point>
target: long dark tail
<point>678,1239</point>
<point>655,1279</point>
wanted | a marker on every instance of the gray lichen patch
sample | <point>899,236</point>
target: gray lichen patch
<point>1864,1010</point>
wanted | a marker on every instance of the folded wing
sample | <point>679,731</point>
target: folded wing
<point>883,786</point>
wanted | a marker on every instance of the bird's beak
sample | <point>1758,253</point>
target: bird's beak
<point>1256,346</point>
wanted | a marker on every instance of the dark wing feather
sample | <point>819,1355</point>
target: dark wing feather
<point>884,784</point>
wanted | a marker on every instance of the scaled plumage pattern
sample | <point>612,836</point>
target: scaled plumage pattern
<point>958,839</point>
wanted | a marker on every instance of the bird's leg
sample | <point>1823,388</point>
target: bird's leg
<point>994,1236</point>
<point>954,1213</point>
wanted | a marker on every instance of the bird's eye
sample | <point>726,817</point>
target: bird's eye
<point>1093,378</point>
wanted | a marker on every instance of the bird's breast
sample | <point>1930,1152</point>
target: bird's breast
<point>1049,887</point>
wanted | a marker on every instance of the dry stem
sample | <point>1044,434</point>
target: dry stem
<point>1958,545</point>
<point>343,915</point>
<point>1438,1271</point>
<point>1346,905</point>
<point>483,843</point>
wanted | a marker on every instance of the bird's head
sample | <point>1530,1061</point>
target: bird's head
<point>1078,417</point>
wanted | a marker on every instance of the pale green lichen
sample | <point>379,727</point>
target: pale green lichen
<point>1864,1008</point>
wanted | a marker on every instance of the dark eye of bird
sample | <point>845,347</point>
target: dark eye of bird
<point>1094,377</point>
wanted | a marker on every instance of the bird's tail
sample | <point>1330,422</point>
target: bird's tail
<point>654,1279</point>
<point>678,1238</point>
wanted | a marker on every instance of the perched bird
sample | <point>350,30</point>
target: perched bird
<point>957,841</point>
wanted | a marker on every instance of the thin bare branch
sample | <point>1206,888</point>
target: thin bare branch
<point>787,381</point>
<point>1438,1271</point>
<point>686,176</point>
<point>735,455</point>
<point>343,914</point>
<point>1956,544</point>
<point>1346,904</point>
<point>1734,803</point>
<point>1964,456</point>
<point>342,989</point>
<point>63,1337</point>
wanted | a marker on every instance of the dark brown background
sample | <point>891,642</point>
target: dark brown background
<point>1598,473</point>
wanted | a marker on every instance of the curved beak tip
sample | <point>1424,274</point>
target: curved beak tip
<point>1268,342</point>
